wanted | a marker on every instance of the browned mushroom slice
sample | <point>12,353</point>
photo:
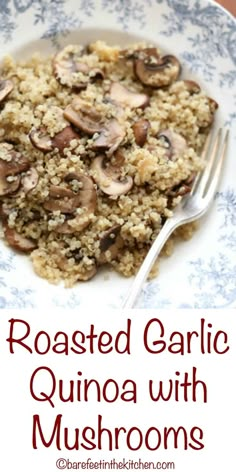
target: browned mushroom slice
<point>205,122</point>
<point>83,271</point>
<point>155,71</point>
<point>87,193</point>
<point>75,225</point>
<point>6,87</point>
<point>96,74</point>
<point>110,244</point>
<point>179,190</point>
<point>192,87</point>
<point>118,159</point>
<point>140,129</point>
<point>85,199</point>
<point>66,66</point>
<point>12,164</point>
<point>87,273</point>
<point>17,240</point>
<point>61,199</point>
<point>17,163</point>
<point>213,104</point>
<point>125,97</point>
<point>182,188</point>
<point>84,117</point>
<point>111,136</point>
<point>8,186</point>
<point>29,180</point>
<point>63,139</point>
<point>71,71</point>
<point>175,143</point>
<point>108,178</point>
<point>41,139</point>
<point>4,211</point>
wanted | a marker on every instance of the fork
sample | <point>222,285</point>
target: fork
<point>192,206</point>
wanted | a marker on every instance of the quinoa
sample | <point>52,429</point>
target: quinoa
<point>97,147</point>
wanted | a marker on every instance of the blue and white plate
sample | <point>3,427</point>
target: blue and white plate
<point>202,272</point>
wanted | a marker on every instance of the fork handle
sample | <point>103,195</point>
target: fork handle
<point>170,225</point>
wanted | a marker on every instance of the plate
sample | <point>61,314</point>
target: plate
<point>202,272</point>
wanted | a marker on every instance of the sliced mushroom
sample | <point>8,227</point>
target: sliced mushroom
<point>96,74</point>
<point>84,117</point>
<point>179,190</point>
<point>84,271</point>
<point>110,241</point>
<point>12,164</point>
<point>87,274</point>
<point>29,180</point>
<point>174,142</point>
<point>63,139</point>
<point>41,138</point>
<point>42,141</point>
<point>206,119</point>
<point>182,188</point>
<point>140,129</point>
<point>4,211</point>
<point>66,64</point>
<point>192,87</point>
<point>74,225</point>
<point>155,71</point>
<point>213,105</point>
<point>17,240</point>
<point>108,178</point>
<point>61,199</point>
<point>67,201</point>
<point>87,191</point>
<point>6,87</point>
<point>111,136</point>
<point>125,97</point>
<point>71,71</point>
<point>118,159</point>
<point>88,120</point>
<point>8,187</point>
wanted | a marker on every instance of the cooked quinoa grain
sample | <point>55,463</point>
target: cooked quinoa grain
<point>97,147</point>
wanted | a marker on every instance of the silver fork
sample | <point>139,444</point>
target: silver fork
<point>191,207</point>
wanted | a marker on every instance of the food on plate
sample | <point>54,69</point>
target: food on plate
<point>98,144</point>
